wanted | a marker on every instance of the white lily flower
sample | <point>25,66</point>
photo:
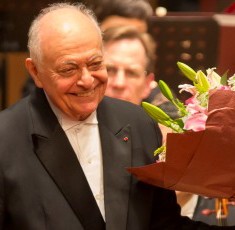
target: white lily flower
<point>213,78</point>
<point>231,82</point>
<point>187,88</point>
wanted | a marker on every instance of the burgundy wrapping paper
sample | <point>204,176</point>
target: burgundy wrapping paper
<point>200,162</point>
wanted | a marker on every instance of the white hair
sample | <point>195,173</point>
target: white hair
<point>34,30</point>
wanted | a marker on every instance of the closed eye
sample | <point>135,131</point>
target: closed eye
<point>95,65</point>
<point>68,70</point>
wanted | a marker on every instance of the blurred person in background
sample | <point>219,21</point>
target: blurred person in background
<point>112,13</point>
<point>130,58</point>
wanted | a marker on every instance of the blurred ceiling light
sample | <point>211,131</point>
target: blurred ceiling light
<point>186,44</point>
<point>161,11</point>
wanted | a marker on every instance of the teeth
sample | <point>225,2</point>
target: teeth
<point>85,94</point>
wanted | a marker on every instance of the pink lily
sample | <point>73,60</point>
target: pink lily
<point>196,122</point>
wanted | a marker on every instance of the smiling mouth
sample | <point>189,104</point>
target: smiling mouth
<point>84,94</point>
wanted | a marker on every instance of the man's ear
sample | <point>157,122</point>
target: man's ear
<point>32,69</point>
<point>148,85</point>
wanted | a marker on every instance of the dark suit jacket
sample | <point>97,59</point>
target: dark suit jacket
<point>42,185</point>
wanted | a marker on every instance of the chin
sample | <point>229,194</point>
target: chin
<point>84,112</point>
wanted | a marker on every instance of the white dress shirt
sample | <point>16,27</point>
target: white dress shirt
<point>85,140</point>
<point>188,203</point>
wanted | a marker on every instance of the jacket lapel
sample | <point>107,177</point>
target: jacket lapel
<point>116,149</point>
<point>57,156</point>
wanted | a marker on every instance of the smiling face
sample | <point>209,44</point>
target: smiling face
<point>126,63</point>
<point>71,69</point>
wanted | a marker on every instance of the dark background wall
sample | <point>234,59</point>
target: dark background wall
<point>16,15</point>
<point>15,18</point>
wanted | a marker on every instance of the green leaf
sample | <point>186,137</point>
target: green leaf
<point>181,107</point>
<point>176,127</point>
<point>224,78</point>
<point>180,122</point>
<point>187,71</point>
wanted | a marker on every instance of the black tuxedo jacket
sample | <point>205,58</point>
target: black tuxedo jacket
<point>42,185</point>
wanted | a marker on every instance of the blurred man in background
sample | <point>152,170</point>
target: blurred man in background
<point>129,58</point>
<point>113,13</point>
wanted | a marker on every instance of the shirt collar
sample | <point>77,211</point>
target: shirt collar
<point>67,123</point>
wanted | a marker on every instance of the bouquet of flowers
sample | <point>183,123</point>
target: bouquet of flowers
<point>198,156</point>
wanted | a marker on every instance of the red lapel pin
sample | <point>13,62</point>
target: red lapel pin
<point>125,139</point>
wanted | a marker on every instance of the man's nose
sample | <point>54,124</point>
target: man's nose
<point>86,80</point>
<point>119,80</point>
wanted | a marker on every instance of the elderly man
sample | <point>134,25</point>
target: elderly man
<point>64,149</point>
